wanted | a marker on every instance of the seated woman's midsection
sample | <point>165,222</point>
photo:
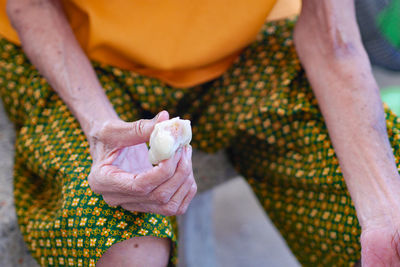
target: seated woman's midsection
<point>181,42</point>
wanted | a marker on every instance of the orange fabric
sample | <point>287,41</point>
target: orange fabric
<point>181,42</point>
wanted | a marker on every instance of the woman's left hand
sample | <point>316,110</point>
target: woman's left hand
<point>380,245</point>
<point>331,51</point>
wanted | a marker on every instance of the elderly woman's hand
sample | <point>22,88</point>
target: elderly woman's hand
<point>381,244</point>
<point>123,175</point>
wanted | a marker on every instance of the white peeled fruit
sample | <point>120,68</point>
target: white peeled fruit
<point>167,137</point>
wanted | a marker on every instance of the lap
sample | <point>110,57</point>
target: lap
<point>262,109</point>
<point>61,219</point>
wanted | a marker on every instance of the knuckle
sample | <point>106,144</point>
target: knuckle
<point>187,170</point>
<point>188,184</point>
<point>173,207</point>
<point>140,190</point>
<point>162,197</point>
<point>93,183</point>
<point>91,179</point>
<point>138,127</point>
<point>167,171</point>
<point>194,188</point>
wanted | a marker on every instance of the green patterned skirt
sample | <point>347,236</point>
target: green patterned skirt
<point>262,111</point>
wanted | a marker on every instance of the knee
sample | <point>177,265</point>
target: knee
<point>137,251</point>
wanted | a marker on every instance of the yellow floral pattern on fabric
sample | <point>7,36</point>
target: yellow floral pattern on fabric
<point>261,110</point>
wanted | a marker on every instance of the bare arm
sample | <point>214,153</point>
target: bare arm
<point>330,48</point>
<point>50,44</point>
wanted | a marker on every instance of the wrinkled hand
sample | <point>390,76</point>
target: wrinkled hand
<point>380,246</point>
<point>123,175</point>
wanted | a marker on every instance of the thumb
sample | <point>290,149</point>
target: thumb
<point>131,133</point>
<point>137,132</point>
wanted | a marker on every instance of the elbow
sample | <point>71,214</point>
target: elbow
<point>333,46</point>
<point>334,51</point>
<point>340,45</point>
<point>324,30</point>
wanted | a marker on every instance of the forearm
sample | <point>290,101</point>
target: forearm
<point>50,44</point>
<point>330,49</point>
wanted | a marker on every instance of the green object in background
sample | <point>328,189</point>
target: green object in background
<point>388,22</point>
<point>391,96</point>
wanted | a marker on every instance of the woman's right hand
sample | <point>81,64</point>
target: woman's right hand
<point>120,171</point>
<point>123,175</point>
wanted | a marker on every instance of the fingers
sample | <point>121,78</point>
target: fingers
<point>156,176</point>
<point>172,207</point>
<point>160,196</point>
<point>163,193</point>
<point>189,197</point>
<point>182,199</point>
<point>124,134</point>
<point>118,186</point>
<point>132,133</point>
<point>177,205</point>
<point>172,197</point>
<point>110,178</point>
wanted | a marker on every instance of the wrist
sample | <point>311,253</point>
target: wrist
<point>91,107</point>
<point>95,126</point>
<point>327,32</point>
<point>377,202</point>
<point>93,119</point>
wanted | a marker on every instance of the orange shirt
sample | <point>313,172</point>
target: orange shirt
<point>181,42</point>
